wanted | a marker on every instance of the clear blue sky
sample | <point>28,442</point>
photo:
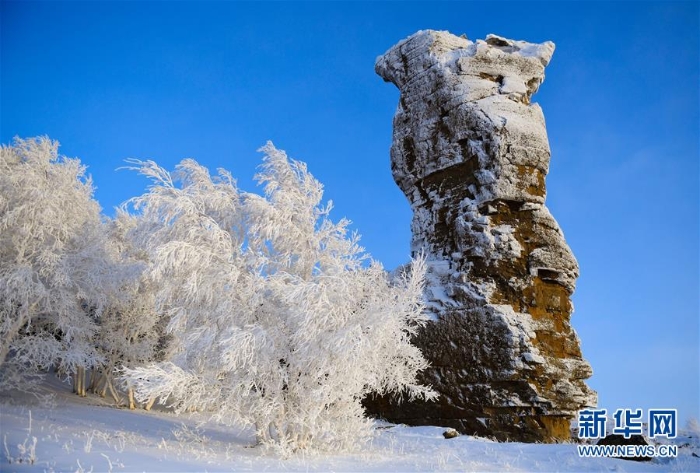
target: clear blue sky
<point>215,80</point>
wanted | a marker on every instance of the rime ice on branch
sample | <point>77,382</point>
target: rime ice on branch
<point>470,152</point>
<point>274,316</point>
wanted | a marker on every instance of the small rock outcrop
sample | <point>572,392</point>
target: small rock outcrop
<point>470,152</point>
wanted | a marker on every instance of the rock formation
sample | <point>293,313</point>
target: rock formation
<point>470,152</point>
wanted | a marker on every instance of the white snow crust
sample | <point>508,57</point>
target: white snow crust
<point>81,434</point>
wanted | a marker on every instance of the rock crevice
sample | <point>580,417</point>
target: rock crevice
<point>470,152</point>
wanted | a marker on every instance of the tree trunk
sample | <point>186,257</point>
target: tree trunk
<point>102,391</point>
<point>113,391</point>
<point>94,379</point>
<point>83,390</point>
<point>79,381</point>
<point>150,403</point>
<point>130,393</point>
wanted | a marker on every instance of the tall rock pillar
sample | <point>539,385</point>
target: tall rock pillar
<point>470,152</point>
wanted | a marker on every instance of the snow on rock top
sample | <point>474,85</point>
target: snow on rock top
<point>470,152</point>
<point>446,80</point>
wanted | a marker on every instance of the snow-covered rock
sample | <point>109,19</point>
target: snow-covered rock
<point>470,151</point>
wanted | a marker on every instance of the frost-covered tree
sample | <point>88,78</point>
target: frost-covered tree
<point>55,272</point>
<point>131,332</point>
<point>278,317</point>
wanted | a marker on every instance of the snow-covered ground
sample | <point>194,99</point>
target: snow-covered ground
<point>87,434</point>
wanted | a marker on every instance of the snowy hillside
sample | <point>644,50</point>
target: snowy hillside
<point>86,434</point>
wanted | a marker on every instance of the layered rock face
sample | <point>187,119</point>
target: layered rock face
<point>470,151</point>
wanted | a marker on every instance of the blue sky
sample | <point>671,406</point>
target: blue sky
<point>215,80</point>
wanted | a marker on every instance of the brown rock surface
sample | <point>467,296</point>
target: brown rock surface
<point>470,151</point>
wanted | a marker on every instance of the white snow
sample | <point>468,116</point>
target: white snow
<point>84,434</point>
